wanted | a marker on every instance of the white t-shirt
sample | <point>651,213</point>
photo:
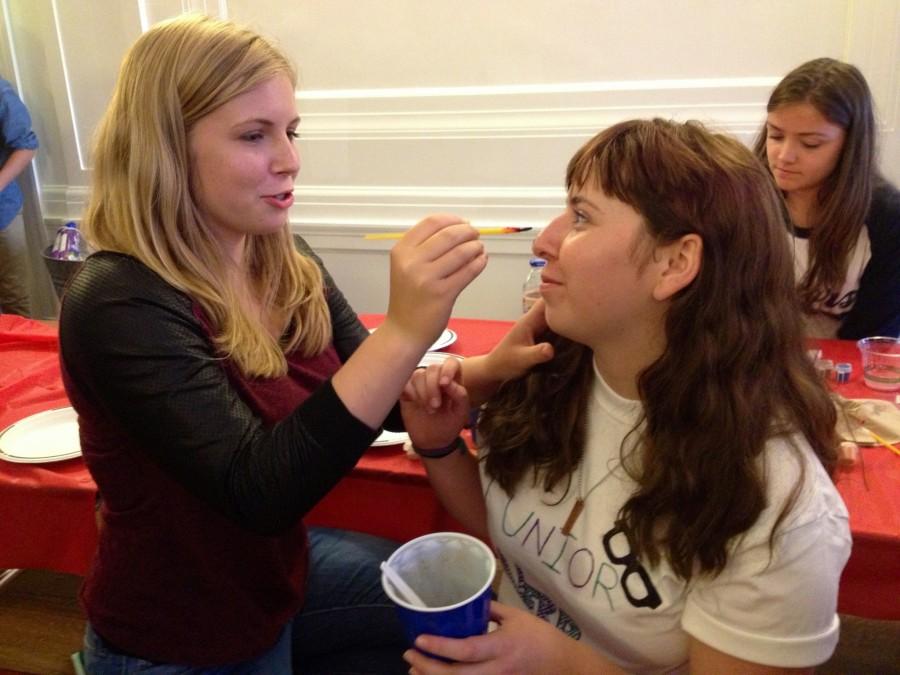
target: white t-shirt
<point>830,310</point>
<point>780,612</point>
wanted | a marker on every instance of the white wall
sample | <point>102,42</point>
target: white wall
<point>470,106</point>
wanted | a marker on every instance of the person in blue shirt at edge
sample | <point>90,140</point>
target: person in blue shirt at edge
<point>18,143</point>
<point>223,384</point>
<point>658,492</point>
<point>843,216</point>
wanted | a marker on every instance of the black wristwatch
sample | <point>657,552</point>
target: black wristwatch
<point>458,444</point>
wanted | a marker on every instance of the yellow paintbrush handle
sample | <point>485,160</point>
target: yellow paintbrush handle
<point>481,230</point>
<point>892,448</point>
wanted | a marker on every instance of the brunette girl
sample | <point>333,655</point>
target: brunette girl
<point>844,217</point>
<point>659,491</point>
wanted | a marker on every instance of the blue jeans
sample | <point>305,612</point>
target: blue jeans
<point>346,626</point>
<point>99,658</point>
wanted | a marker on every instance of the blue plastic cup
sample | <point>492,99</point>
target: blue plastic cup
<point>452,574</point>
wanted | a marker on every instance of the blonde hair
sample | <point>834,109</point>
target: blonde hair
<point>142,204</point>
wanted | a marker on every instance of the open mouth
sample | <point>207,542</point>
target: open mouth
<point>281,200</point>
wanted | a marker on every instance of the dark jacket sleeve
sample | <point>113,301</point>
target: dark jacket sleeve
<point>348,330</point>
<point>877,308</point>
<point>133,352</point>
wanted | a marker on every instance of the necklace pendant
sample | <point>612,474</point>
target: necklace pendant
<point>577,508</point>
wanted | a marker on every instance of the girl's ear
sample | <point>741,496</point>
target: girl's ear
<point>680,263</point>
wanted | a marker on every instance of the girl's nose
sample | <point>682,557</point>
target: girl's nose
<point>546,244</point>
<point>787,152</point>
<point>287,159</point>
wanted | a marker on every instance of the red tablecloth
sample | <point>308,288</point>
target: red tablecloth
<point>46,510</point>
<point>388,493</point>
<point>870,585</point>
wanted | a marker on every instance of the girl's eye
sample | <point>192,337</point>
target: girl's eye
<point>775,137</point>
<point>812,146</point>
<point>293,134</point>
<point>579,218</point>
<point>252,136</point>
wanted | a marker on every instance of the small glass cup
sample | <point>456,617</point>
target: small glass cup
<point>880,362</point>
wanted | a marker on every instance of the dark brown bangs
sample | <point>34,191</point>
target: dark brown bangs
<point>613,162</point>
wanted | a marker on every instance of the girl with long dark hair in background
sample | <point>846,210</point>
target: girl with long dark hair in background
<point>844,217</point>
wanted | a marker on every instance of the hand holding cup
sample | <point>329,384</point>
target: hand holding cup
<point>452,573</point>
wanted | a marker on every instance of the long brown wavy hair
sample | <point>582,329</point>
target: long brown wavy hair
<point>734,372</point>
<point>142,203</point>
<point>841,95</point>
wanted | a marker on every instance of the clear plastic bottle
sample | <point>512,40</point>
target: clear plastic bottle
<point>531,289</point>
<point>67,245</point>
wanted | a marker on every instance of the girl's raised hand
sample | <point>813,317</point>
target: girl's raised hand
<point>427,385</point>
<point>430,266</point>
<point>435,405</point>
<point>520,350</point>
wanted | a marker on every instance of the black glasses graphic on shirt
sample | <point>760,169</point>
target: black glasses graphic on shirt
<point>633,566</point>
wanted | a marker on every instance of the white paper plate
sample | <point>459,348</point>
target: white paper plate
<point>447,338</point>
<point>400,437</point>
<point>390,438</point>
<point>49,436</point>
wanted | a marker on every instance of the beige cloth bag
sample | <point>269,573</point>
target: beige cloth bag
<point>858,418</point>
